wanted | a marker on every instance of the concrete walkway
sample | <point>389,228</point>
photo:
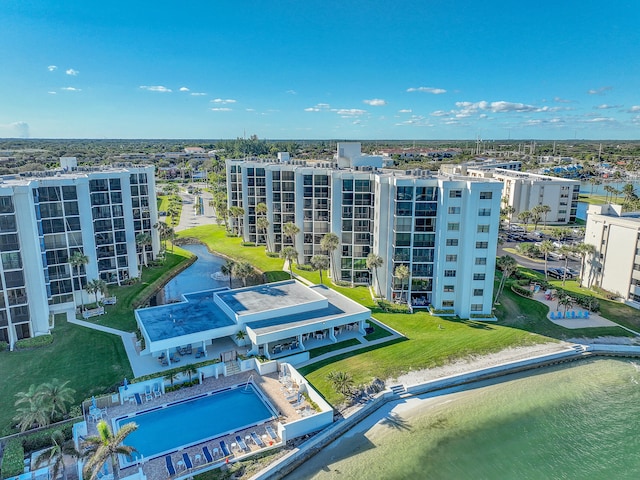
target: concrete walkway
<point>189,218</point>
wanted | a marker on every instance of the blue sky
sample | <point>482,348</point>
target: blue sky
<point>283,69</point>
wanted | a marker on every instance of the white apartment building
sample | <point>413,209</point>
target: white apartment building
<point>615,266</point>
<point>524,191</point>
<point>444,229</point>
<point>45,217</point>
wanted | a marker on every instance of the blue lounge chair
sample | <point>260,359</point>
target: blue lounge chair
<point>147,393</point>
<point>200,352</point>
<point>138,398</point>
<point>187,461</point>
<point>170,468</point>
<point>256,439</point>
<point>552,316</point>
<point>242,444</point>
<point>224,448</point>
<point>207,454</point>
<point>271,432</point>
<point>573,314</point>
<point>586,314</point>
<point>156,390</point>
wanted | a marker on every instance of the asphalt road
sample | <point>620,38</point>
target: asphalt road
<point>537,264</point>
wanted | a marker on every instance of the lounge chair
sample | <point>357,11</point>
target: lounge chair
<point>200,352</point>
<point>586,314</point>
<point>188,350</point>
<point>175,358</point>
<point>207,454</point>
<point>552,316</point>
<point>271,432</point>
<point>138,398</point>
<point>156,390</point>
<point>242,443</point>
<point>573,314</point>
<point>187,461</point>
<point>256,439</point>
<point>147,393</point>
<point>170,468</point>
<point>224,448</point>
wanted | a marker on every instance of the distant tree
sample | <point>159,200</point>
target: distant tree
<point>289,254</point>
<point>143,240</point>
<point>95,286</point>
<point>242,270</point>
<point>30,411</point>
<point>262,225</point>
<point>290,229</point>
<point>373,263</point>
<point>508,212</point>
<point>401,273</point>
<point>237,213</point>
<point>566,250</point>
<point>106,446</point>
<point>54,457</point>
<point>55,396</point>
<point>584,250</point>
<point>544,210</point>
<point>342,382</point>
<point>508,265</point>
<point>546,247</point>
<point>566,301</point>
<point>330,242</point>
<point>77,260</point>
<point>524,217</point>
<point>227,269</point>
<point>320,263</point>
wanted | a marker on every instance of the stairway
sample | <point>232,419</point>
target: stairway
<point>398,389</point>
<point>233,367</point>
<point>579,348</point>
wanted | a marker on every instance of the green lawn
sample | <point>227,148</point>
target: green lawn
<point>94,362</point>
<point>316,352</point>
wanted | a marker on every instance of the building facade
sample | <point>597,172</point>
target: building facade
<point>444,229</point>
<point>46,217</point>
<point>615,266</point>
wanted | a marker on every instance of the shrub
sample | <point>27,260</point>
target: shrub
<point>273,254</point>
<point>248,244</point>
<point>35,341</point>
<point>305,267</point>
<point>4,346</point>
<point>525,292</point>
<point>42,439</point>
<point>389,307</point>
<point>13,458</point>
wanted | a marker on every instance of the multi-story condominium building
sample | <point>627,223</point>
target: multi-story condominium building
<point>487,163</point>
<point>615,265</point>
<point>46,217</point>
<point>444,228</point>
<point>524,191</point>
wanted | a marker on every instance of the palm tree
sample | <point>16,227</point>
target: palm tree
<point>171,376</point>
<point>227,269</point>
<point>524,217</point>
<point>289,254</point>
<point>106,446</point>
<point>77,260</point>
<point>373,263</point>
<point>584,249</point>
<point>536,215</point>
<point>342,382</point>
<point>54,457</point>
<point>610,190</point>
<point>629,193</point>
<point>508,265</point>
<point>142,241</point>
<point>55,395</point>
<point>594,181</point>
<point>544,210</point>
<point>290,229</point>
<point>262,224</point>
<point>30,411</point>
<point>401,272</point>
<point>242,270</point>
<point>189,370</point>
<point>261,209</point>
<point>330,243</point>
<point>508,212</point>
<point>566,301</point>
<point>546,247</point>
<point>237,213</point>
<point>164,231</point>
<point>320,263</point>
<point>565,250</point>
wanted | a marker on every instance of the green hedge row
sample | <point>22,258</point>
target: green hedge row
<point>525,292</point>
<point>35,341</point>
<point>4,346</point>
<point>13,458</point>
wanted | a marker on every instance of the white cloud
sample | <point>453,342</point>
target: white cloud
<point>435,91</point>
<point>156,88</point>
<point>52,93</point>
<point>15,130</point>
<point>405,110</point>
<point>221,109</point>
<point>561,100</point>
<point>601,119</point>
<point>291,92</point>
<point>375,102</point>
<point>605,106</point>
<point>312,109</point>
<point>72,72</point>
<point>198,94</point>
<point>318,107</point>
<point>599,91</point>
<point>439,113</point>
<point>184,89</point>
<point>350,112</point>
<point>51,68</point>
<point>221,101</point>
<point>634,109</point>
<point>250,109</point>
<point>71,89</point>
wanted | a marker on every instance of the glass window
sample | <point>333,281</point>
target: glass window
<point>452,242</point>
<point>478,276</point>
<point>449,288</point>
<point>481,260</point>
<point>454,210</point>
<point>451,258</point>
<point>486,195</point>
<point>482,244</point>
<point>483,229</point>
<point>455,193</point>
<point>478,292</point>
<point>453,227</point>
<point>449,273</point>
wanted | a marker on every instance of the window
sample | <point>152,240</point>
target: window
<point>452,258</point>
<point>482,244</point>
<point>483,229</point>
<point>478,276</point>
<point>454,210</point>
<point>455,193</point>
<point>476,307</point>
<point>481,260</point>
<point>447,303</point>
<point>453,226</point>
<point>478,292</point>
<point>449,288</point>
<point>486,195</point>
<point>449,273</point>
<point>484,212</point>
<point>452,242</point>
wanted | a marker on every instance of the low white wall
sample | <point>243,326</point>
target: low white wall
<point>214,370</point>
<point>297,358</point>
<point>630,349</point>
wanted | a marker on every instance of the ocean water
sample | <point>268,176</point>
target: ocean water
<point>565,422</point>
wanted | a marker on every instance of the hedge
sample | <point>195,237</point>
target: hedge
<point>4,346</point>
<point>525,292</point>
<point>13,458</point>
<point>32,342</point>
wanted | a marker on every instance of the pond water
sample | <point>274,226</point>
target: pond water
<point>196,277</point>
<point>571,421</point>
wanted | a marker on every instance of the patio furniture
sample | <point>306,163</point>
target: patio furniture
<point>181,465</point>
<point>207,454</point>
<point>271,432</point>
<point>156,390</point>
<point>197,458</point>
<point>188,350</point>
<point>224,448</point>
<point>175,358</point>
<point>138,398</point>
<point>215,452</point>
<point>200,352</point>
<point>170,468</point>
<point>241,443</point>
<point>187,460</point>
<point>256,439</point>
<point>147,393</point>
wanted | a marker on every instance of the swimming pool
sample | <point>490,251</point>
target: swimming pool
<point>166,428</point>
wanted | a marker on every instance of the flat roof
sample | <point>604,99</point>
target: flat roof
<point>269,297</point>
<point>198,313</point>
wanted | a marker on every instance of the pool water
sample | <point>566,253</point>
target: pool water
<point>166,428</point>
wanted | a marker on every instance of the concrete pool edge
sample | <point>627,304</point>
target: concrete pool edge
<point>309,448</point>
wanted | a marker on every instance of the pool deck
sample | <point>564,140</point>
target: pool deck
<point>155,469</point>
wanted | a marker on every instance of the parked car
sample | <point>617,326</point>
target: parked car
<point>559,273</point>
